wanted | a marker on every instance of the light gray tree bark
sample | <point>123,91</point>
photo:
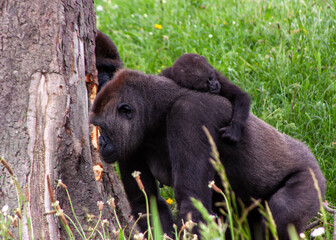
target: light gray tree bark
<point>46,65</point>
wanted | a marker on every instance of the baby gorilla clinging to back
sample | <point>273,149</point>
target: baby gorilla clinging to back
<point>194,72</point>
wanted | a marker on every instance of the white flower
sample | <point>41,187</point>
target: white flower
<point>55,204</point>
<point>59,213</point>
<point>317,232</point>
<point>139,236</point>
<point>115,6</point>
<point>233,22</point>
<point>145,15</point>
<point>105,222</point>
<point>210,36</point>
<point>99,8</point>
<point>150,33</point>
<point>302,236</point>
<point>132,15</point>
<point>211,183</point>
<point>5,209</point>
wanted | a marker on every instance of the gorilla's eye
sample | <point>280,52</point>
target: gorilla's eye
<point>125,109</point>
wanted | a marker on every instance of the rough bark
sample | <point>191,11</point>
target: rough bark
<point>47,55</point>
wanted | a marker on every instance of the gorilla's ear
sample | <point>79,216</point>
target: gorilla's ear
<point>167,73</point>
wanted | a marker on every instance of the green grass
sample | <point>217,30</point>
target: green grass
<point>265,47</point>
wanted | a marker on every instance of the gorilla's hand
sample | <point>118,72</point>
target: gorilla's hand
<point>214,86</point>
<point>231,133</point>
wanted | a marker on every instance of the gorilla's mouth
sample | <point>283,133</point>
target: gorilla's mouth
<point>107,149</point>
<point>108,156</point>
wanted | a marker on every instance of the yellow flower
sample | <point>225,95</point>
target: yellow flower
<point>158,26</point>
<point>169,201</point>
<point>159,70</point>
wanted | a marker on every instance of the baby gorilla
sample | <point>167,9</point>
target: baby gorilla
<point>194,72</point>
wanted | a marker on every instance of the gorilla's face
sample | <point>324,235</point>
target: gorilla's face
<point>122,127</point>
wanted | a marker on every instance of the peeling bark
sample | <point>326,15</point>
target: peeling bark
<point>47,54</point>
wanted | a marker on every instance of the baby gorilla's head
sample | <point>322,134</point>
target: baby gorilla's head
<point>194,72</point>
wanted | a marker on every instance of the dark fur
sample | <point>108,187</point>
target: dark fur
<point>107,59</point>
<point>194,72</point>
<point>107,63</point>
<point>160,134</point>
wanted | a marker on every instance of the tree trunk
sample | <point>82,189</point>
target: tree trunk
<point>47,57</point>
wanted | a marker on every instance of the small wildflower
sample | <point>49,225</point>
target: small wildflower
<point>138,66</point>
<point>317,232</point>
<point>163,1</point>
<point>190,224</point>
<point>90,217</point>
<point>61,184</point>
<point>5,209</point>
<point>100,205</point>
<point>159,70</point>
<point>233,22</point>
<point>302,236</point>
<point>211,183</point>
<point>139,236</point>
<point>150,33</point>
<point>158,26</point>
<point>111,202</point>
<point>214,187</point>
<point>136,175</point>
<point>145,15</point>
<point>55,204</point>
<point>115,6</point>
<point>165,37</point>
<point>166,237</point>
<point>224,23</point>
<point>59,213</point>
<point>99,8</point>
<point>169,201</point>
<point>210,36</point>
<point>132,15</point>
<point>218,20</point>
<point>105,222</point>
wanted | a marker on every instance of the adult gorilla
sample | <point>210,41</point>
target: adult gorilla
<point>155,127</point>
<point>107,59</point>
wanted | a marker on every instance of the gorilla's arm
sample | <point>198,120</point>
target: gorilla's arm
<point>191,168</point>
<point>136,197</point>
<point>241,108</point>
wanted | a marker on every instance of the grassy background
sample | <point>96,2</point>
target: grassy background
<point>268,48</point>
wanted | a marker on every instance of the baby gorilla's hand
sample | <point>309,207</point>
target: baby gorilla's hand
<point>231,133</point>
<point>214,86</point>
